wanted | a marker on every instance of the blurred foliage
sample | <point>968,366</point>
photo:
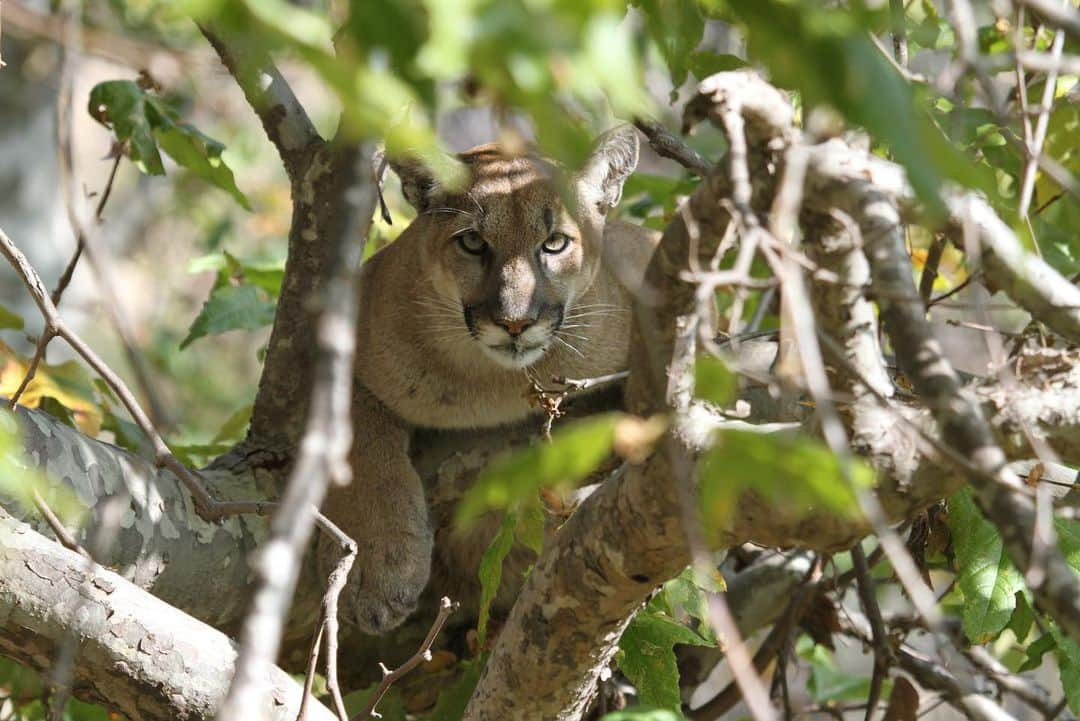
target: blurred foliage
<point>570,68</point>
<point>795,474</point>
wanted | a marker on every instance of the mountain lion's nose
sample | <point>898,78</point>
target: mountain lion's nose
<point>515,327</point>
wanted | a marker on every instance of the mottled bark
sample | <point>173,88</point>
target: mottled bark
<point>137,654</point>
<point>565,626</point>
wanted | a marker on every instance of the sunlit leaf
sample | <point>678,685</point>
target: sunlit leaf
<point>574,452</point>
<point>714,381</point>
<point>986,575</point>
<point>826,55</point>
<point>68,383</point>
<point>20,478</point>
<point>491,564</point>
<point>796,473</point>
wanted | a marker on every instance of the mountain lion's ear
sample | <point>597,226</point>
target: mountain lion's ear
<point>418,183</point>
<point>607,168</point>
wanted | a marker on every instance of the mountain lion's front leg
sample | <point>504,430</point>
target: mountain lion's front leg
<point>385,512</point>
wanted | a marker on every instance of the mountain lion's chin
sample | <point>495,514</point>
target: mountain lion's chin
<point>514,356</point>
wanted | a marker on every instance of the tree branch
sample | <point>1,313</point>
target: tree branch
<point>137,654</point>
<point>282,116</point>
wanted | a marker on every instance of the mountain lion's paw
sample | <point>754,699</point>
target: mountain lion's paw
<point>386,582</point>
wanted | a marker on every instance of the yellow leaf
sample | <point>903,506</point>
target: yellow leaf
<point>68,383</point>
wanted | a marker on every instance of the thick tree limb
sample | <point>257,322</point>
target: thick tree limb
<point>137,654</point>
<point>837,170</point>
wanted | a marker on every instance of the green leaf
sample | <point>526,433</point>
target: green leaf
<point>491,564</point>
<point>647,657</point>
<point>795,473</point>
<point>235,427</point>
<point>1069,666</point>
<point>201,155</point>
<point>20,478</point>
<point>531,527</point>
<point>10,320</point>
<point>143,122</point>
<point>121,106</point>
<point>704,63</point>
<point>1022,619</point>
<point>231,307</point>
<point>1035,652</point>
<point>987,577</point>
<point>573,453</point>
<point>267,274</point>
<point>713,380</point>
<point>684,597</point>
<point>828,684</point>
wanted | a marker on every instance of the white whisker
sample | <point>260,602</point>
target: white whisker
<point>565,343</point>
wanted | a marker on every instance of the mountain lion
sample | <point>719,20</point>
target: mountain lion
<point>506,276</point>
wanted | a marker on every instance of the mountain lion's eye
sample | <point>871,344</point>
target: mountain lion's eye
<point>557,243</point>
<point>471,242</point>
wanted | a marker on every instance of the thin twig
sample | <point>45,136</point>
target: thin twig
<point>953,291</point>
<point>67,540</point>
<point>882,653</point>
<point>1059,15</point>
<point>47,334</point>
<point>668,145</point>
<point>446,607</point>
<point>80,241</point>
<point>580,384</point>
<point>309,676</point>
<point>1042,124</point>
<point>775,642</point>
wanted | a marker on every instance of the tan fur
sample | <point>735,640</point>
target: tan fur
<point>421,364</point>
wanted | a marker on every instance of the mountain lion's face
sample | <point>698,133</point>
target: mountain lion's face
<point>509,257</point>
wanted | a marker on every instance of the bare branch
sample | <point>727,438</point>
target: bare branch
<point>446,607</point>
<point>668,145</point>
<point>283,117</point>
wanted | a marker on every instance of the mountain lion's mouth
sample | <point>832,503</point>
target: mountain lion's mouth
<point>515,354</point>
